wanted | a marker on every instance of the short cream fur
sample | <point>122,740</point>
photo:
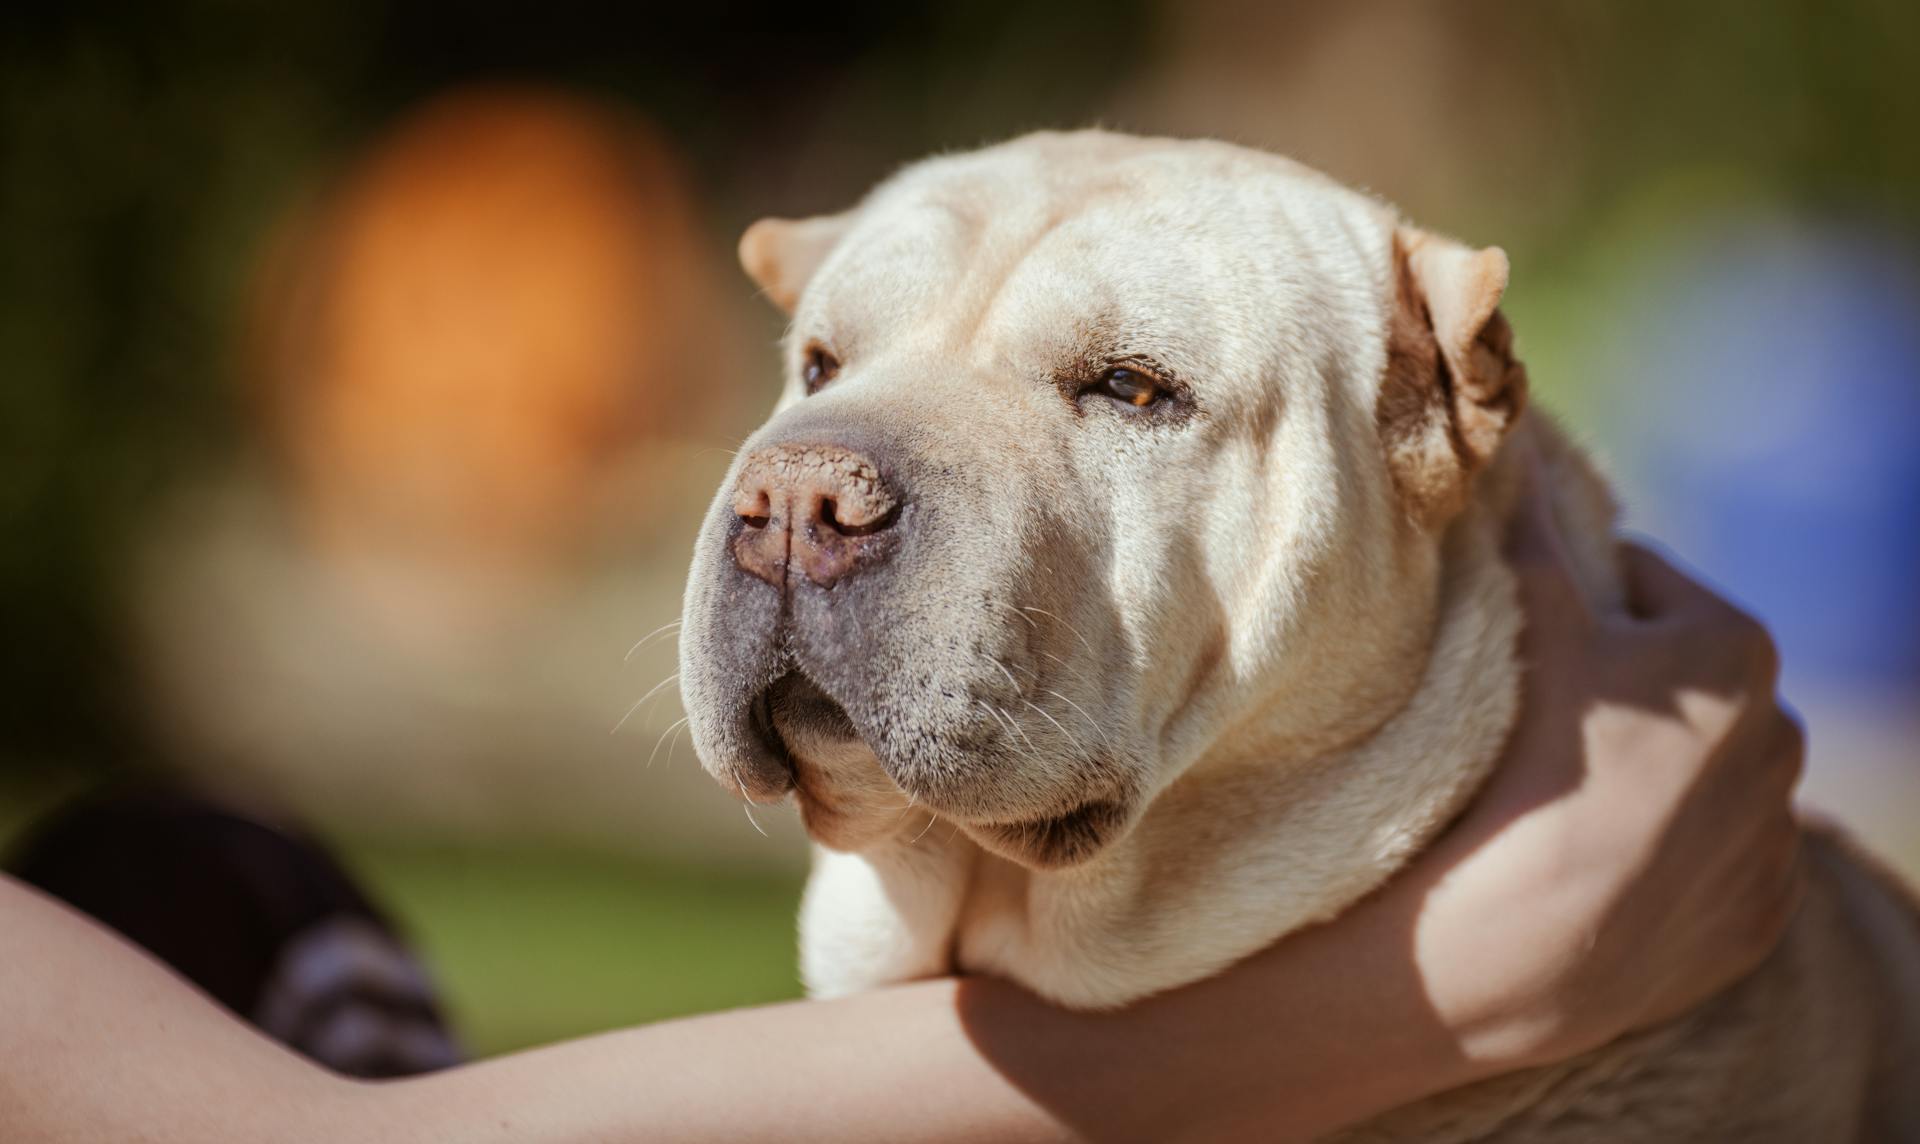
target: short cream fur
<point>1270,641</point>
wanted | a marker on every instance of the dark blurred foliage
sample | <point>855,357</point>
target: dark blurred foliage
<point>146,150</point>
<point>1816,99</point>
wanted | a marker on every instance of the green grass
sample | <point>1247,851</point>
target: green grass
<point>533,945</point>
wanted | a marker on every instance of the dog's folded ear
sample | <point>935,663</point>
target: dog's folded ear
<point>1452,388</point>
<point>781,254</point>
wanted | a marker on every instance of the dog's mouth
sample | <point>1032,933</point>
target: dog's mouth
<point>848,798</point>
<point>793,714</point>
<point>807,733</point>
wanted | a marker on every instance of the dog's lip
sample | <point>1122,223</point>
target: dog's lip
<point>1076,812</point>
<point>1054,841</point>
<point>760,719</point>
<point>828,710</point>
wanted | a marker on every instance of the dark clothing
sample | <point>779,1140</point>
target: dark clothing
<point>256,914</point>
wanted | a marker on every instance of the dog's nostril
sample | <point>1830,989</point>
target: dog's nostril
<point>879,524</point>
<point>828,515</point>
<point>758,516</point>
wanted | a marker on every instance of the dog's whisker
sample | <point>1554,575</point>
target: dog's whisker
<point>1071,737</point>
<point>1011,681</point>
<point>1066,674</point>
<point>994,713</point>
<point>1066,668</point>
<point>651,692</point>
<point>649,637</point>
<point>1066,625</point>
<point>931,819</point>
<point>1033,752</point>
<point>1075,706</point>
<point>1006,722</point>
<point>748,807</point>
<point>675,726</point>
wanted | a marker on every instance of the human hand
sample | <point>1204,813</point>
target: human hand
<point>1636,850</point>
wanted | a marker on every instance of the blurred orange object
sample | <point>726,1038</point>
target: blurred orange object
<point>504,295</point>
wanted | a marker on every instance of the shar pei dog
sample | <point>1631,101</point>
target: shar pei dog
<point>1117,587</point>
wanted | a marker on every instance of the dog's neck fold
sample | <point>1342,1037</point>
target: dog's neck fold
<point>1233,855</point>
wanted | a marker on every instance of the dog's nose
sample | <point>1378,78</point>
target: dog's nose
<point>821,509</point>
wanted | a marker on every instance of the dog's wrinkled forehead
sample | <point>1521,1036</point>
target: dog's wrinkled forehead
<point>1209,256</point>
<point>1089,447</point>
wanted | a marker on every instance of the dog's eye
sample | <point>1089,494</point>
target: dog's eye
<point>818,368</point>
<point>1130,386</point>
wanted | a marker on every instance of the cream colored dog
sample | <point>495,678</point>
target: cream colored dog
<point>1117,588</point>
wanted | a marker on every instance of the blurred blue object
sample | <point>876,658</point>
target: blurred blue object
<point>1770,425</point>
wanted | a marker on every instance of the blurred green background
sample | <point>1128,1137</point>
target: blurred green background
<point>364,369</point>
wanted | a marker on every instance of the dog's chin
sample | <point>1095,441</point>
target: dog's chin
<point>1054,841</point>
<point>845,798</point>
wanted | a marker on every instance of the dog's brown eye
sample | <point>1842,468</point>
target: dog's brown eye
<point>818,368</point>
<point>1131,386</point>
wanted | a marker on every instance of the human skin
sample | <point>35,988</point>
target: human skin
<point>1635,853</point>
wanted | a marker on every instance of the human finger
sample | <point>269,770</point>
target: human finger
<point>1657,589</point>
<point>1549,591</point>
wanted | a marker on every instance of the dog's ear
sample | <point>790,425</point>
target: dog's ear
<point>781,254</point>
<point>1452,387</point>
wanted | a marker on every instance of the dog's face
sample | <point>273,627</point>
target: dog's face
<point>1096,455</point>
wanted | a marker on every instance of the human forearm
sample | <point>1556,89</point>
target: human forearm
<point>1301,1040</point>
<point>896,1064</point>
<point>101,1042</point>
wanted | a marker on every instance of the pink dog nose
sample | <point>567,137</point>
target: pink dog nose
<point>819,508</point>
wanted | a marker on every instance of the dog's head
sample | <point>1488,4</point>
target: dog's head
<point>1096,455</point>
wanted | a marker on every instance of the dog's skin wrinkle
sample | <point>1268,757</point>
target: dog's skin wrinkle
<point>1284,627</point>
<point>967,326</point>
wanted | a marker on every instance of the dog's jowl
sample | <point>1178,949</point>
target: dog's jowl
<point>1106,462</point>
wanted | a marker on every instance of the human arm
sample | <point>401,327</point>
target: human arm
<point>103,1043</point>
<point>1634,853</point>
